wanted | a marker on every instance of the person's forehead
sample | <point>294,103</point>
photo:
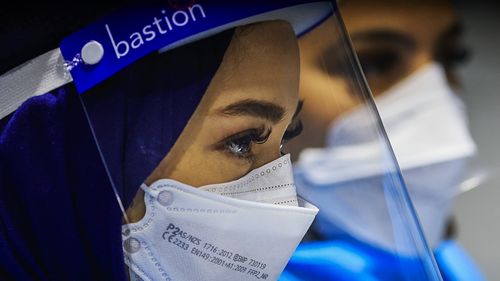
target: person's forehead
<point>258,65</point>
<point>423,21</point>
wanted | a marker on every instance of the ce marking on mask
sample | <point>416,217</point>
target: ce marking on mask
<point>223,258</point>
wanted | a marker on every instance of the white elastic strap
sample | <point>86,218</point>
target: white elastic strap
<point>35,77</point>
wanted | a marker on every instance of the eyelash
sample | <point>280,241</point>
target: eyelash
<point>240,144</point>
<point>294,131</point>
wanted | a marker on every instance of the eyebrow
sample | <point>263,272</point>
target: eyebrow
<point>336,62</point>
<point>258,108</point>
<point>383,35</point>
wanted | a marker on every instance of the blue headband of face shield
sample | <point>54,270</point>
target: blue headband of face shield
<point>97,52</point>
<point>113,43</point>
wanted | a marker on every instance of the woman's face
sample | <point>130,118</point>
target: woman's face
<point>392,39</point>
<point>241,120</point>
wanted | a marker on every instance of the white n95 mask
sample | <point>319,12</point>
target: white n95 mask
<point>242,230</point>
<point>427,127</point>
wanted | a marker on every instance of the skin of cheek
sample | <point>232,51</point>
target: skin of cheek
<point>325,96</point>
<point>325,99</point>
<point>202,164</point>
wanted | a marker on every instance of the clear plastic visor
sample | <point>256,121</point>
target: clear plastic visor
<point>213,111</point>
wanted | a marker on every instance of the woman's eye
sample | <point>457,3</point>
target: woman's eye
<point>452,56</point>
<point>379,63</point>
<point>240,145</point>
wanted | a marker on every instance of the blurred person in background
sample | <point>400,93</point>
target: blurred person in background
<point>409,51</point>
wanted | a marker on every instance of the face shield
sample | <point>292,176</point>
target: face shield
<point>345,165</point>
<point>197,111</point>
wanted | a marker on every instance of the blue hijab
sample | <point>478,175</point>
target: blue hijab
<point>59,217</point>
